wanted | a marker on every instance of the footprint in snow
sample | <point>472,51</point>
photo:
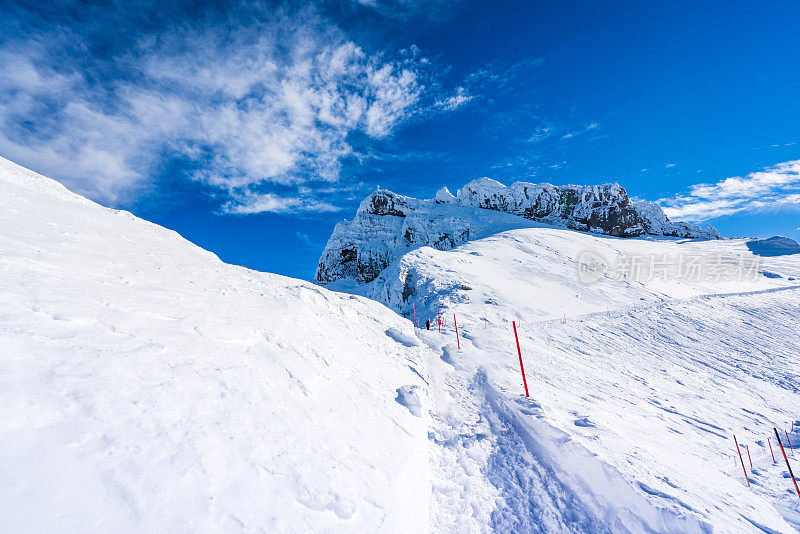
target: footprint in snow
<point>411,398</point>
<point>584,422</point>
<point>529,406</point>
<point>448,354</point>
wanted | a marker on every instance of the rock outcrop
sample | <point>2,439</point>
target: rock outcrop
<point>387,224</point>
<point>602,209</point>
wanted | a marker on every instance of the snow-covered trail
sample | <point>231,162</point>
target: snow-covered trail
<point>630,421</point>
<point>669,387</point>
<point>662,303</point>
<point>497,466</point>
<point>651,378</point>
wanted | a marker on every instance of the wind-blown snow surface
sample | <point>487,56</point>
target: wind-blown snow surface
<point>644,382</point>
<point>145,386</point>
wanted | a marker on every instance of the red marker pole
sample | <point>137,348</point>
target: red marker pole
<point>439,320</point>
<point>787,460</point>
<point>741,460</point>
<point>770,450</point>
<point>519,353</point>
<point>415,315</point>
<point>748,456</point>
<point>789,442</point>
<point>456,325</point>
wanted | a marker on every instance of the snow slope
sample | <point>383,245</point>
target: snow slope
<point>145,386</point>
<point>533,271</point>
<point>637,386</point>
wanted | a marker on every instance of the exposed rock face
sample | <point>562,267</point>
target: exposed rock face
<point>603,209</point>
<point>387,225</point>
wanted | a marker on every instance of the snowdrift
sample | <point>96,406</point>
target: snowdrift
<point>774,246</point>
<point>145,386</point>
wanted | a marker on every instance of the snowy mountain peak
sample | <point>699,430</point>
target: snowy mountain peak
<point>444,196</point>
<point>383,202</point>
<point>387,224</point>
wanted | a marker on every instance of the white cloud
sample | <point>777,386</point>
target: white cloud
<point>250,203</point>
<point>497,78</point>
<point>305,239</point>
<point>579,132</point>
<point>777,187</point>
<point>276,102</point>
<point>454,101</point>
<point>408,8</point>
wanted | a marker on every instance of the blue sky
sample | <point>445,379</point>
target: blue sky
<point>252,129</point>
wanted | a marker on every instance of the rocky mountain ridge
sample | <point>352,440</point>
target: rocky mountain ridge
<point>387,225</point>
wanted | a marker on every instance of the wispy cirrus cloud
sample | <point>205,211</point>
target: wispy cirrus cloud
<point>306,240</point>
<point>280,97</point>
<point>454,101</point>
<point>495,78</point>
<point>251,203</point>
<point>408,8</point>
<point>774,188</point>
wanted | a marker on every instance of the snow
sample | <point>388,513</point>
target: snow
<point>411,398</point>
<point>147,386</point>
<point>403,336</point>
<point>637,386</point>
<point>774,246</point>
<point>444,196</point>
